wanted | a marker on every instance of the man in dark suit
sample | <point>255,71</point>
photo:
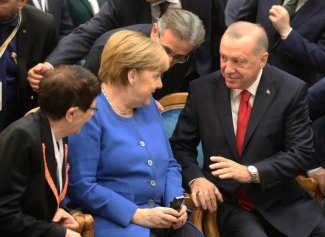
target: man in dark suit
<point>60,12</point>
<point>30,44</point>
<point>174,32</point>
<point>33,156</point>
<point>120,13</point>
<point>297,42</point>
<point>252,120</point>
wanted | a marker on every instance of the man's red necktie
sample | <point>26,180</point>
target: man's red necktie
<point>244,114</point>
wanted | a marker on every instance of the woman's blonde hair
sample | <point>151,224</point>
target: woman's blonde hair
<point>126,50</point>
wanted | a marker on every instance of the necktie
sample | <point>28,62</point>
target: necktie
<point>244,113</point>
<point>163,7</point>
<point>291,6</point>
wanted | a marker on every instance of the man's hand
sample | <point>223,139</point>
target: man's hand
<point>280,19</point>
<point>71,233</point>
<point>320,177</point>
<point>205,194</point>
<point>64,218</point>
<point>229,169</point>
<point>36,74</point>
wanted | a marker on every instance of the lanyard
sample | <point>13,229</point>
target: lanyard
<point>4,46</point>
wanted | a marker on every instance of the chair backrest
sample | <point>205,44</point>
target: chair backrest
<point>173,105</point>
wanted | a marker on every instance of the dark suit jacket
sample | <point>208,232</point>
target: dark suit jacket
<point>175,79</point>
<point>27,203</point>
<point>316,101</point>
<point>303,53</point>
<point>60,12</point>
<point>120,13</point>
<point>36,38</point>
<point>278,142</point>
<point>81,11</point>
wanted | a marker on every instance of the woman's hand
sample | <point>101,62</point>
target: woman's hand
<point>181,218</point>
<point>158,217</point>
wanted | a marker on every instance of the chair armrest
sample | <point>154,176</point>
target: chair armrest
<point>310,185</point>
<point>197,212</point>
<point>86,223</point>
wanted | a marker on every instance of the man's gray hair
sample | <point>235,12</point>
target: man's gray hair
<point>185,24</point>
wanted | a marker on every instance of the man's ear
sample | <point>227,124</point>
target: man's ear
<point>154,31</point>
<point>264,58</point>
<point>70,114</point>
<point>132,76</point>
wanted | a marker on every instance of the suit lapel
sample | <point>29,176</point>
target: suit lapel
<point>264,95</point>
<point>223,106</point>
<point>308,10</point>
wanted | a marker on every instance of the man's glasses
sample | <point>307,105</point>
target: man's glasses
<point>176,58</point>
<point>92,108</point>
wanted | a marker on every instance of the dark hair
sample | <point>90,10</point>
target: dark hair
<point>65,87</point>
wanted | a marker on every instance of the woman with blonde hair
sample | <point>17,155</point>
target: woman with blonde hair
<point>123,171</point>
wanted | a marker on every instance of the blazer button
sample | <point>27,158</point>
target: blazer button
<point>153,183</point>
<point>151,202</point>
<point>149,162</point>
<point>142,143</point>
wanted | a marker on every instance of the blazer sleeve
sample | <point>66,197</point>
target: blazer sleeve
<point>296,155</point>
<point>15,173</point>
<point>76,45</point>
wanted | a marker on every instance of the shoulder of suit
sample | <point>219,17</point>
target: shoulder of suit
<point>33,14</point>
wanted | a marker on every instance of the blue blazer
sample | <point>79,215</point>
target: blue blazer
<point>278,142</point>
<point>121,164</point>
<point>114,14</point>
<point>303,53</point>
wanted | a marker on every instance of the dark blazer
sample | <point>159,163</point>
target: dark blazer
<point>316,101</point>
<point>36,38</point>
<point>303,53</point>
<point>27,203</point>
<point>120,13</point>
<point>175,79</point>
<point>81,11</point>
<point>278,142</point>
<point>59,10</point>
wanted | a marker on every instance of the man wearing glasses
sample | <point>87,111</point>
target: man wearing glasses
<point>179,32</point>
<point>175,32</point>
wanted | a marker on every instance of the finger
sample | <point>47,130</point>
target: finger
<point>195,198</point>
<point>201,197</point>
<point>57,217</point>
<point>218,195</point>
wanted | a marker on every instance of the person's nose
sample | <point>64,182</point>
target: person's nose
<point>228,67</point>
<point>159,83</point>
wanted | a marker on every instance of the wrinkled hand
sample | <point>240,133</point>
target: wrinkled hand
<point>64,218</point>
<point>181,218</point>
<point>280,19</point>
<point>205,194</point>
<point>71,233</point>
<point>36,74</point>
<point>158,217</point>
<point>229,169</point>
<point>320,177</point>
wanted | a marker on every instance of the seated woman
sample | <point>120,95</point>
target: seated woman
<point>33,156</point>
<point>123,171</point>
